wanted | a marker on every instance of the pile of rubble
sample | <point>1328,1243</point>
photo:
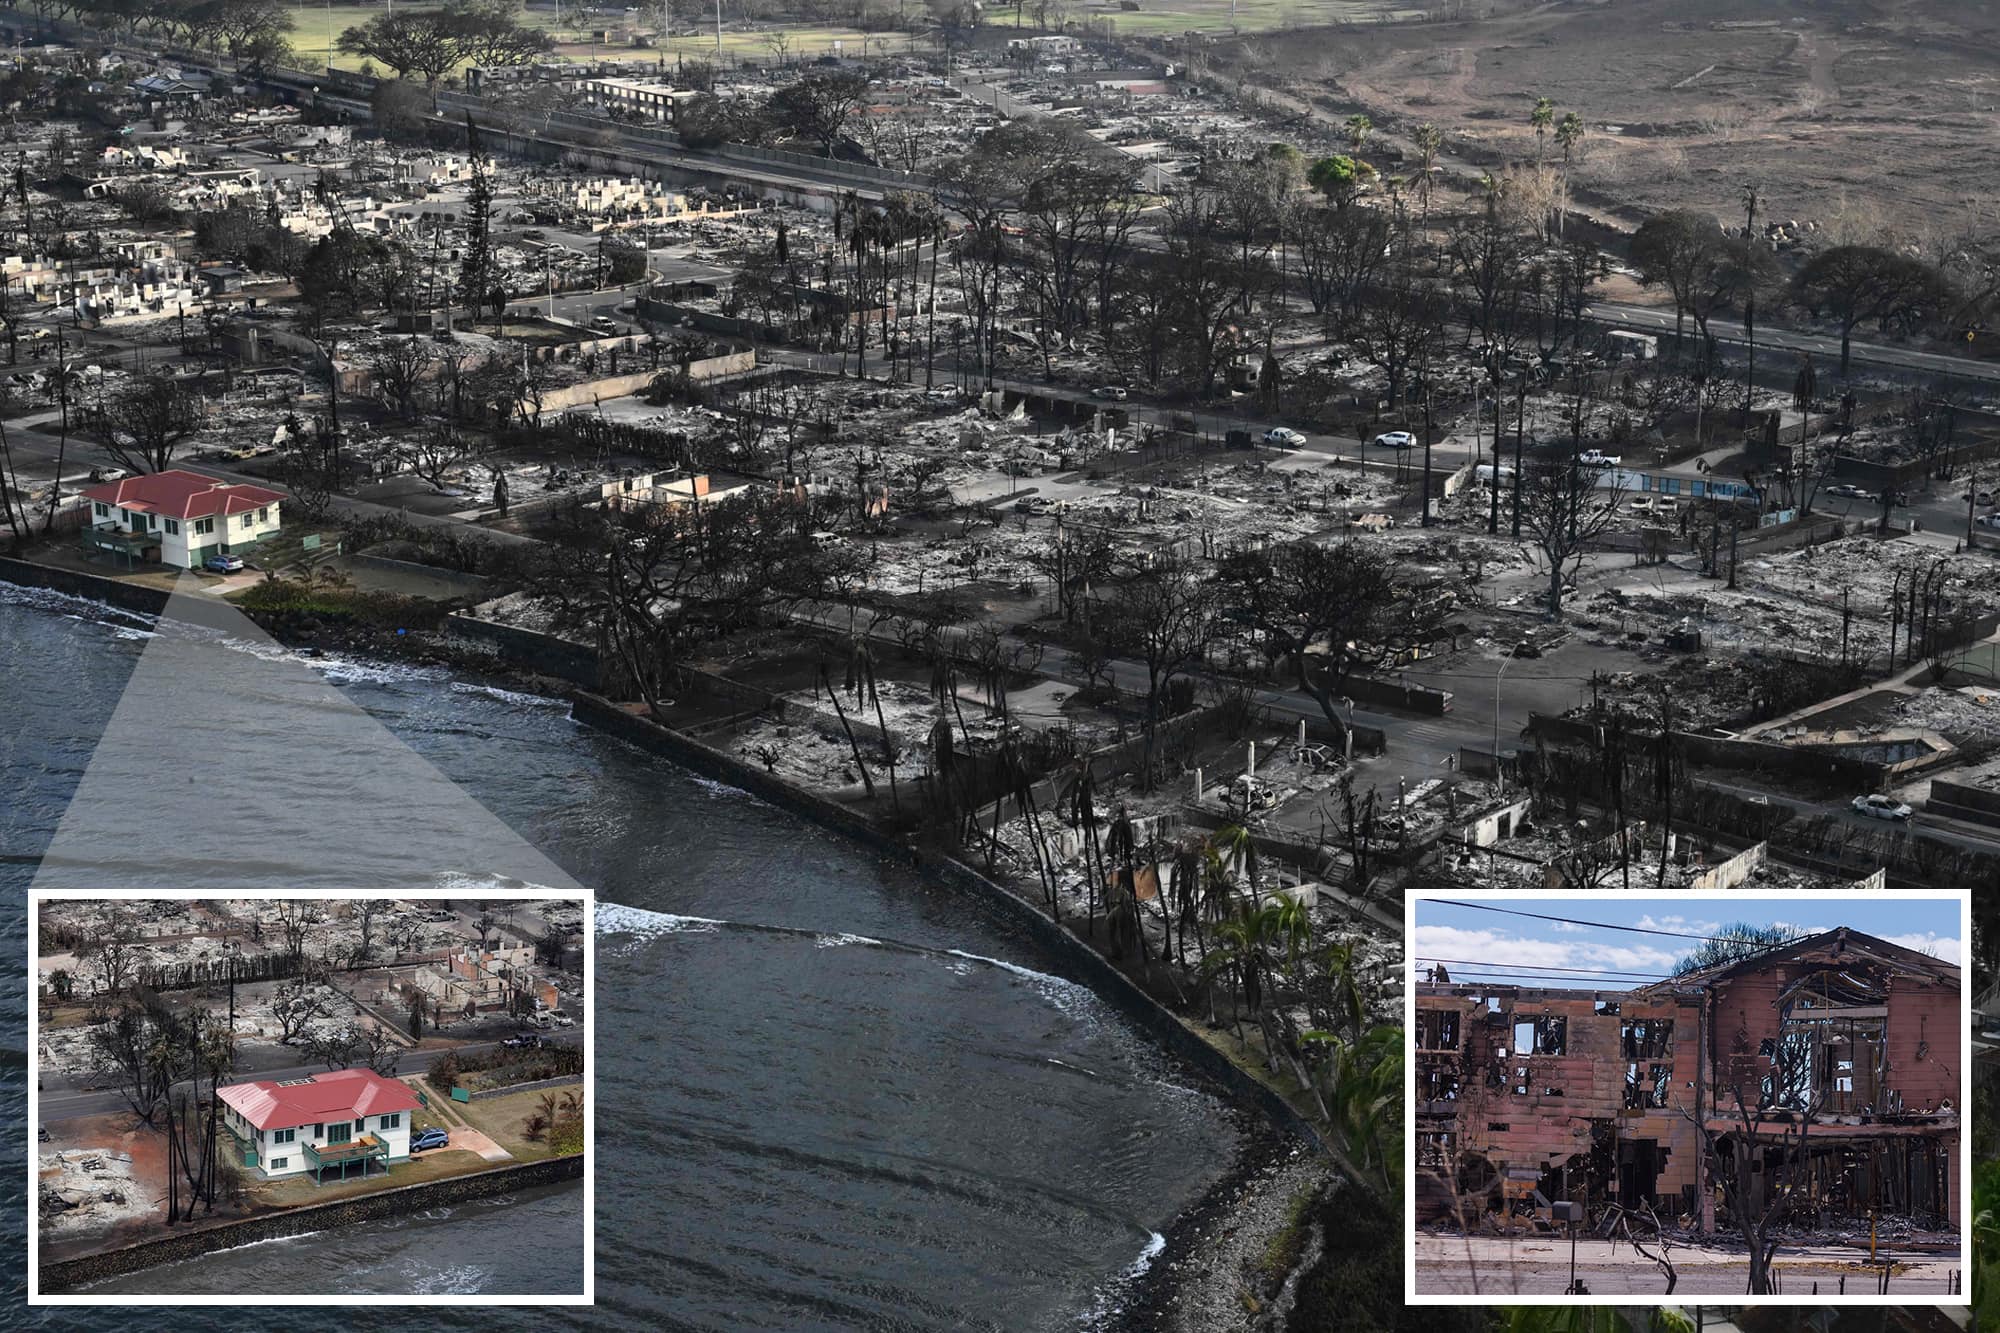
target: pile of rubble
<point>84,1191</point>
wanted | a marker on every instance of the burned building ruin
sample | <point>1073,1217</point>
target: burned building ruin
<point>1839,1052</point>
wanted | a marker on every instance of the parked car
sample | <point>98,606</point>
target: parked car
<point>1985,497</point>
<point>1115,392</point>
<point>519,1040</point>
<point>562,1020</point>
<point>1989,520</point>
<point>1395,439</point>
<point>1284,436</point>
<point>1879,806</point>
<point>1598,458</point>
<point>1315,756</point>
<point>1847,491</point>
<point>223,564</point>
<point>604,324</point>
<point>1250,794</point>
<point>430,1138</point>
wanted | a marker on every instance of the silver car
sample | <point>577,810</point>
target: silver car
<point>1879,806</point>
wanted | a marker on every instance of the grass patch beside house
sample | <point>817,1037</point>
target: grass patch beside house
<point>333,600</point>
<point>438,1164</point>
<point>504,1119</point>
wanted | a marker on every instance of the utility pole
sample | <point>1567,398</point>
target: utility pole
<point>718,32</point>
<point>1750,202</point>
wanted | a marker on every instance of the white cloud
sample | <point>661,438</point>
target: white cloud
<point>1944,948</point>
<point>1496,948</point>
<point>1679,924</point>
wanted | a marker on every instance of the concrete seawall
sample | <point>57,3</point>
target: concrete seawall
<point>67,1274</point>
<point>1085,962</point>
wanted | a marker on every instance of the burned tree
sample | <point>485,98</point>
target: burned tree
<point>1564,510</point>
<point>1328,611</point>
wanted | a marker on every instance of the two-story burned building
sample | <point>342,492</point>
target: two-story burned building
<point>1529,1095</point>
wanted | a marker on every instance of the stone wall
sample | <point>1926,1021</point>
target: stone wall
<point>114,592</point>
<point>1082,961</point>
<point>565,1081</point>
<point>544,654</point>
<point>67,1274</point>
<point>1959,800</point>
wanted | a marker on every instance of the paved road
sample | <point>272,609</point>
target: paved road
<point>68,1104</point>
<point>1824,347</point>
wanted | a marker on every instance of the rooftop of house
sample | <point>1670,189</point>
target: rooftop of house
<point>1834,949</point>
<point>290,1103</point>
<point>178,494</point>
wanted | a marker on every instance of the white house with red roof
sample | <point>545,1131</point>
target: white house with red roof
<point>180,518</point>
<point>335,1121</point>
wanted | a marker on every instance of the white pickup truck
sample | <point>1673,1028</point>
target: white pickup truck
<point>1598,458</point>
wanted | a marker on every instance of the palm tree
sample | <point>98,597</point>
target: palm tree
<point>1429,139</point>
<point>1569,134</point>
<point>1542,118</point>
<point>1358,129</point>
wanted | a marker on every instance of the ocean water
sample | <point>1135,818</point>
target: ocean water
<point>829,1093</point>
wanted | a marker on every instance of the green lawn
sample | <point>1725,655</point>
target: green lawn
<point>501,1118</point>
<point>291,1191</point>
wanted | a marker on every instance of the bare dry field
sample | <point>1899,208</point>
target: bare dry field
<point>1852,113</point>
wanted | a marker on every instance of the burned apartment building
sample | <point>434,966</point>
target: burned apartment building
<point>1529,1095</point>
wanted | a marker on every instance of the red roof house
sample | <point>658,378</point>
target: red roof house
<point>179,518</point>
<point>178,494</point>
<point>343,1093</point>
<point>348,1119</point>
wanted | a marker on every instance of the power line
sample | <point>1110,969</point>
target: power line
<point>1599,925</point>
<point>1551,967</point>
<point>1533,980</point>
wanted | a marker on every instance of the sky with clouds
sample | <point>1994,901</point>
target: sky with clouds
<point>1478,946</point>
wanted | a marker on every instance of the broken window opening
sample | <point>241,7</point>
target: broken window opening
<point>1646,1086</point>
<point>1437,1029</point>
<point>1607,1007</point>
<point>1437,1078</point>
<point>1646,1038</point>
<point>1435,1147</point>
<point>1828,1059</point>
<point>1548,1035</point>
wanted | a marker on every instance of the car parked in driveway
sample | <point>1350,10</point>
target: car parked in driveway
<point>1284,437</point>
<point>223,564</point>
<point>1395,439</point>
<point>430,1138</point>
<point>1878,806</point>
